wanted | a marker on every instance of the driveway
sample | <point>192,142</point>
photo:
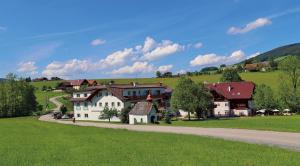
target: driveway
<point>56,102</point>
<point>285,140</point>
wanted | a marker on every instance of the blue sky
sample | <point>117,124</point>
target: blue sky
<point>134,38</point>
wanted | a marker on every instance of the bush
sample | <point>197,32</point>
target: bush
<point>63,109</point>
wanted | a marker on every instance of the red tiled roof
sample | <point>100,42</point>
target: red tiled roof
<point>233,90</point>
<point>91,82</point>
<point>76,82</point>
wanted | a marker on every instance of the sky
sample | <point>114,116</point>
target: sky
<point>76,39</point>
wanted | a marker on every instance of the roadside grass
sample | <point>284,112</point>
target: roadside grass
<point>28,141</point>
<point>273,123</point>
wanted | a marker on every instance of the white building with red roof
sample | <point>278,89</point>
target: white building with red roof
<point>89,103</point>
<point>232,98</point>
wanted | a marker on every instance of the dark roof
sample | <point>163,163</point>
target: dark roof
<point>141,108</point>
<point>77,82</point>
<point>233,90</point>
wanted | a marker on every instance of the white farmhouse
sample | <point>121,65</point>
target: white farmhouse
<point>89,103</point>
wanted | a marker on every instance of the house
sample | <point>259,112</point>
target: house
<point>76,84</point>
<point>40,79</point>
<point>232,98</point>
<point>89,103</point>
<point>261,66</point>
<point>143,112</point>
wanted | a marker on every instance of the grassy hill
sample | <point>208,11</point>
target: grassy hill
<point>291,49</point>
<point>28,141</point>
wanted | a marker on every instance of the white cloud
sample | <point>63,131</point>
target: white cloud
<point>198,45</point>
<point>116,58</point>
<point>98,42</point>
<point>67,69</point>
<point>164,68</point>
<point>27,67</point>
<point>153,50</point>
<point>213,59</point>
<point>260,22</point>
<point>137,67</point>
<point>253,55</point>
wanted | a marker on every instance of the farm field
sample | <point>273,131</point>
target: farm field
<point>31,142</point>
<point>273,123</point>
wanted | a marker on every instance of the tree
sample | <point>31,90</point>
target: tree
<point>289,80</point>
<point>158,74</point>
<point>190,97</point>
<point>222,66</point>
<point>63,109</point>
<point>264,98</point>
<point>273,64</point>
<point>230,75</point>
<point>204,102</point>
<point>108,113</point>
<point>168,116</point>
<point>44,88</point>
<point>124,115</point>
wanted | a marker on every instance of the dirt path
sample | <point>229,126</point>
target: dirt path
<point>285,140</point>
<point>57,103</point>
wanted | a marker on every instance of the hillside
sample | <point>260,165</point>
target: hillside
<point>291,49</point>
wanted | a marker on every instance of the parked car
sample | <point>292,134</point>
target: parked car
<point>286,112</point>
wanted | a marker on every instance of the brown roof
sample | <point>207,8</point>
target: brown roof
<point>77,82</point>
<point>233,90</point>
<point>251,66</point>
<point>92,82</point>
<point>141,108</point>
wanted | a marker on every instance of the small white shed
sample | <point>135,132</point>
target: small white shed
<point>143,112</point>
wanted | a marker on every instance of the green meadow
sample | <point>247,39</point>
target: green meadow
<point>28,141</point>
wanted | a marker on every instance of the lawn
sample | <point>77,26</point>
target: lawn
<point>274,123</point>
<point>42,97</point>
<point>268,78</point>
<point>28,141</point>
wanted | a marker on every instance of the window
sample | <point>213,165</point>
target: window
<point>99,94</point>
<point>78,115</point>
<point>77,106</point>
<point>106,94</point>
<point>129,93</point>
<point>100,104</point>
<point>106,104</point>
<point>85,105</point>
<point>85,95</point>
<point>134,93</point>
<point>112,104</point>
<point>95,104</point>
<point>226,104</point>
<point>78,95</point>
<point>158,92</point>
<point>86,115</point>
<point>119,104</point>
<point>139,92</point>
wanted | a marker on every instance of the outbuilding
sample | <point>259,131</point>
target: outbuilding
<point>143,112</point>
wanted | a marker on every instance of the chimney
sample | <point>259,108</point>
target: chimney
<point>229,88</point>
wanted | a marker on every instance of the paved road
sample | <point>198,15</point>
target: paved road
<point>285,140</point>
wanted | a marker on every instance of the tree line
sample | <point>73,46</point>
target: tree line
<point>17,97</point>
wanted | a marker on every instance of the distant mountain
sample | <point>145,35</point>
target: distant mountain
<point>2,79</point>
<point>291,49</point>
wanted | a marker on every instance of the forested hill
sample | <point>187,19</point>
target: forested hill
<point>291,49</point>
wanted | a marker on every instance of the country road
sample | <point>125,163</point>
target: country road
<point>57,103</point>
<point>285,140</point>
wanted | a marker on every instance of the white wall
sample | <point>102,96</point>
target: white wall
<point>222,108</point>
<point>138,118</point>
<point>94,109</point>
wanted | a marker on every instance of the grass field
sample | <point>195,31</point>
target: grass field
<point>268,78</point>
<point>28,141</point>
<point>274,123</point>
<point>66,102</point>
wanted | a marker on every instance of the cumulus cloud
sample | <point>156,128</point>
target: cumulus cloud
<point>260,22</point>
<point>198,45</point>
<point>27,67</point>
<point>66,69</point>
<point>214,59</point>
<point>164,68</point>
<point>153,50</point>
<point>116,58</point>
<point>98,42</point>
<point>137,67</point>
